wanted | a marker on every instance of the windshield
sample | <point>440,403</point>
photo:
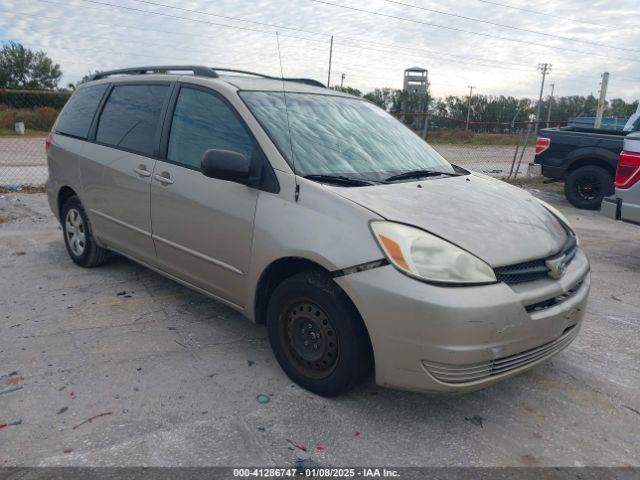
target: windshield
<point>341,136</point>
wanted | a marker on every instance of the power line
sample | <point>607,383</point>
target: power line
<point>470,32</point>
<point>496,24</point>
<point>538,12</point>
<point>364,41</point>
<point>141,11</point>
<point>272,25</point>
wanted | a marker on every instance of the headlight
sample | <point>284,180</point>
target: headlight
<point>427,257</point>
<point>561,217</point>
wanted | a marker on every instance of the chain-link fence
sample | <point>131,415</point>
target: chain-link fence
<point>499,149</point>
<point>26,116</point>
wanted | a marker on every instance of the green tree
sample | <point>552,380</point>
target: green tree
<point>349,90</point>
<point>21,67</point>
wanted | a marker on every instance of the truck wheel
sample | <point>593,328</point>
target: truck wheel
<point>585,187</point>
<point>78,236</point>
<point>318,339</point>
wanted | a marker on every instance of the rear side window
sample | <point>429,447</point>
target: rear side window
<point>130,117</point>
<point>77,115</point>
<point>202,121</point>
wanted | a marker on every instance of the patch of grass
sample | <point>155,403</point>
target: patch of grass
<point>24,189</point>
<point>538,182</point>
<point>467,137</point>
<point>28,133</point>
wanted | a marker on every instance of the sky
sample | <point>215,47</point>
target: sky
<point>496,47</point>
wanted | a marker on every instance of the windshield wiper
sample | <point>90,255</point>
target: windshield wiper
<point>339,180</point>
<point>419,174</point>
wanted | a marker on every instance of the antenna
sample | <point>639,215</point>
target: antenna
<point>286,109</point>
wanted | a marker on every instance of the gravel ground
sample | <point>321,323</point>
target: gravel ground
<point>118,366</point>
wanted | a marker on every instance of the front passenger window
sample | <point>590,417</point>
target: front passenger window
<point>202,121</point>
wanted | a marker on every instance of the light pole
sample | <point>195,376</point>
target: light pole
<point>471,87</point>
<point>544,69</point>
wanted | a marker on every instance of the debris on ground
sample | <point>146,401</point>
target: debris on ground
<point>262,429</point>
<point>251,363</point>
<point>3,425</point>
<point>262,398</point>
<point>67,450</point>
<point>297,445</point>
<point>10,390</point>
<point>91,419</point>
<point>357,434</point>
<point>631,409</point>
<point>119,294</point>
<point>14,380</point>
<point>62,410</point>
<point>320,448</point>
<point>476,420</point>
<point>616,298</point>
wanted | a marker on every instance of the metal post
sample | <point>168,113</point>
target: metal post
<point>469,106</point>
<point>330,55</point>
<point>602,100</point>
<point>524,147</point>
<point>342,80</point>
<point>544,69</point>
<point>553,86</point>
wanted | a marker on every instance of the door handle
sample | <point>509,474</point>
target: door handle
<point>142,171</point>
<point>163,178</point>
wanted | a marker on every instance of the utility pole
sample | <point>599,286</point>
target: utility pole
<point>544,69</point>
<point>330,55</point>
<point>342,80</point>
<point>602,100</point>
<point>553,86</point>
<point>471,87</point>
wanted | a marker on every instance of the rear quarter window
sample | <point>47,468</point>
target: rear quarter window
<point>76,118</point>
<point>130,117</point>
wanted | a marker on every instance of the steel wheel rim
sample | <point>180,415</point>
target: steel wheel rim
<point>588,188</point>
<point>309,339</point>
<point>75,232</point>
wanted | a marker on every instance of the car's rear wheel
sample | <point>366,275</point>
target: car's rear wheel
<point>586,186</point>
<point>78,236</point>
<point>316,335</point>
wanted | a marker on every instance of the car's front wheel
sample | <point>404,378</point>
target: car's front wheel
<point>78,236</point>
<point>317,336</point>
<point>586,186</point>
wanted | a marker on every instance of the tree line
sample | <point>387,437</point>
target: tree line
<point>488,113</point>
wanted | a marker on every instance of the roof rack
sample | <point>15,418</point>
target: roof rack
<point>198,70</point>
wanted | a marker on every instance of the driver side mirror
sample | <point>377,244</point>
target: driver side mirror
<point>225,165</point>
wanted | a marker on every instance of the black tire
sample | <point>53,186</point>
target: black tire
<point>78,236</point>
<point>338,355</point>
<point>586,186</point>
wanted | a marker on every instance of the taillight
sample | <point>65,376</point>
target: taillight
<point>628,172</point>
<point>48,141</point>
<point>542,144</point>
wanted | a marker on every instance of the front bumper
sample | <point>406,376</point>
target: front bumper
<point>436,339</point>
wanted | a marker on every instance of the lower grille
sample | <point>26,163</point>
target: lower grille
<point>552,302</point>
<point>459,374</point>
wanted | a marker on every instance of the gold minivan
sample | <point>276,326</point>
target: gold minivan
<point>320,215</point>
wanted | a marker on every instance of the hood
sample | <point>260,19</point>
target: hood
<point>497,222</point>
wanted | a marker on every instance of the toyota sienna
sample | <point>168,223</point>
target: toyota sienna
<point>321,216</point>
